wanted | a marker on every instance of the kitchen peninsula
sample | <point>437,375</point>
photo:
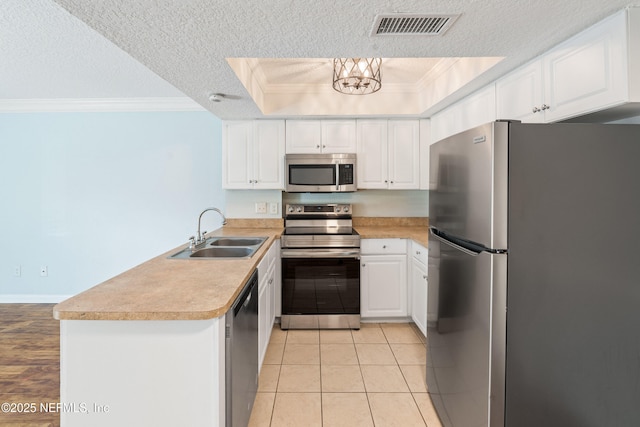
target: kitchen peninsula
<point>147,346</point>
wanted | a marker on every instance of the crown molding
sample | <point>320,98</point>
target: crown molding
<point>72,105</point>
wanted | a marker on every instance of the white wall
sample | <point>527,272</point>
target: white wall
<point>91,195</point>
<point>628,121</point>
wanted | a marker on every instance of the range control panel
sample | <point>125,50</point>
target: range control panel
<point>328,210</point>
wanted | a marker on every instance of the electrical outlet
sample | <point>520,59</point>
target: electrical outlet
<point>17,271</point>
<point>44,271</point>
<point>273,208</point>
<point>261,207</point>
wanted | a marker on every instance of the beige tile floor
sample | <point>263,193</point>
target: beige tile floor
<point>331,378</point>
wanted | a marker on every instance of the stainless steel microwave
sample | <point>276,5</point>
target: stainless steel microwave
<point>320,173</point>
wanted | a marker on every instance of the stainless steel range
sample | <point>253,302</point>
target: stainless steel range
<point>320,268</point>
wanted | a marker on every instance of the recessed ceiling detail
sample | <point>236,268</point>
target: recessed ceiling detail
<point>411,25</point>
<point>303,86</point>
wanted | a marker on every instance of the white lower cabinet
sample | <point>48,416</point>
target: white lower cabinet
<point>418,280</point>
<point>267,287</point>
<point>383,278</point>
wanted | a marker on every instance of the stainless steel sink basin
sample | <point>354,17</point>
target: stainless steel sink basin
<point>223,248</point>
<point>221,252</point>
<point>237,241</point>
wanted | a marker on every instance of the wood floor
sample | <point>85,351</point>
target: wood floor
<point>29,365</point>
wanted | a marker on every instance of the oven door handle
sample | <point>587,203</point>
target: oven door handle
<point>319,253</point>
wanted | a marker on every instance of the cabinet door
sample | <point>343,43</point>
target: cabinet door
<point>268,154</point>
<point>404,154</point>
<point>277,291</point>
<point>237,164</point>
<point>419,295</point>
<point>383,286</point>
<point>444,123</point>
<point>303,136</point>
<point>372,154</point>
<point>338,136</point>
<point>479,108</point>
<point>589,71</point>
<point>425,144</point>
<point>519,95</point>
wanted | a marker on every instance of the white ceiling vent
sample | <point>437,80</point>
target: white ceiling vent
<point>403,24</point>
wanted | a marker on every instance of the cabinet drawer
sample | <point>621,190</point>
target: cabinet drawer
<point>383,246</point>
<point>419,252</point>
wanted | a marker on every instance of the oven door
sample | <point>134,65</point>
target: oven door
<point>320,288</point>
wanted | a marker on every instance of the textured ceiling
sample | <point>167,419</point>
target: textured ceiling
<point>187,43</point>
<point>47,53</point>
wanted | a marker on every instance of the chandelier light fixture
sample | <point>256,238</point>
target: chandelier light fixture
<point>357,76</point>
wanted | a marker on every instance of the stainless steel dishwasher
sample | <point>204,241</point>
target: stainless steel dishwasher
<point>241,355</point>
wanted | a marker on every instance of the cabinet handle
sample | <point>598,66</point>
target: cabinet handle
<point>384,246</point>
<point>386,181</point>
<point>545,107</point>
<point>324,146</point>
<point>364,265</point>
<point>536,109</point>
<point>318,146</point>
<point>424,277</point>
<point>417,252</point>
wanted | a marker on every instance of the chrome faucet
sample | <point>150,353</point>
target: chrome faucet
<point>200,236</point>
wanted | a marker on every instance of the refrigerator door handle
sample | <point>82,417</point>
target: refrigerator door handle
<point>463,245</point>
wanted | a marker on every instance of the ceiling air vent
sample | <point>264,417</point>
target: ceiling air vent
<point>402,24</point>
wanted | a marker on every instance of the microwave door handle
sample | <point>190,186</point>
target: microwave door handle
<point>338,177</point>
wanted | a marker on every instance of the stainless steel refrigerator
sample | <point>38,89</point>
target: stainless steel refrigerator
<point>534,276</point>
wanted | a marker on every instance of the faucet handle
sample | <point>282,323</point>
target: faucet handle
<point>192,242</point>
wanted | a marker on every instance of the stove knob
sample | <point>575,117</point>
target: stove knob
<point>346,209</point>
<point>338,209</point>
<point>290,209</point>
<point>298,209</point>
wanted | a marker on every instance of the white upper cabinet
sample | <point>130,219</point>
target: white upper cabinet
<point>338,136</point>
<point>425,143</point>
<point>253,154</point>
<point>373,164</point>
<point>519,96</point>
<point>587,72</point>
<point>591,71</point>
<point>476,109</point>
<point>321,136</point>
<point>388,154</point>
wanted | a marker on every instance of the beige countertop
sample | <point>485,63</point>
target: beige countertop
<point>198,289</point>
<point>170,289</point>
<point>393,228</point>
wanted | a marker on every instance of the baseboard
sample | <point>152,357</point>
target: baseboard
<point>32,299</point>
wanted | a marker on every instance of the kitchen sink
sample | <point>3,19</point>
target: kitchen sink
<point>221,252</point>
<point>237,241</point>
<point>223,248</point>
